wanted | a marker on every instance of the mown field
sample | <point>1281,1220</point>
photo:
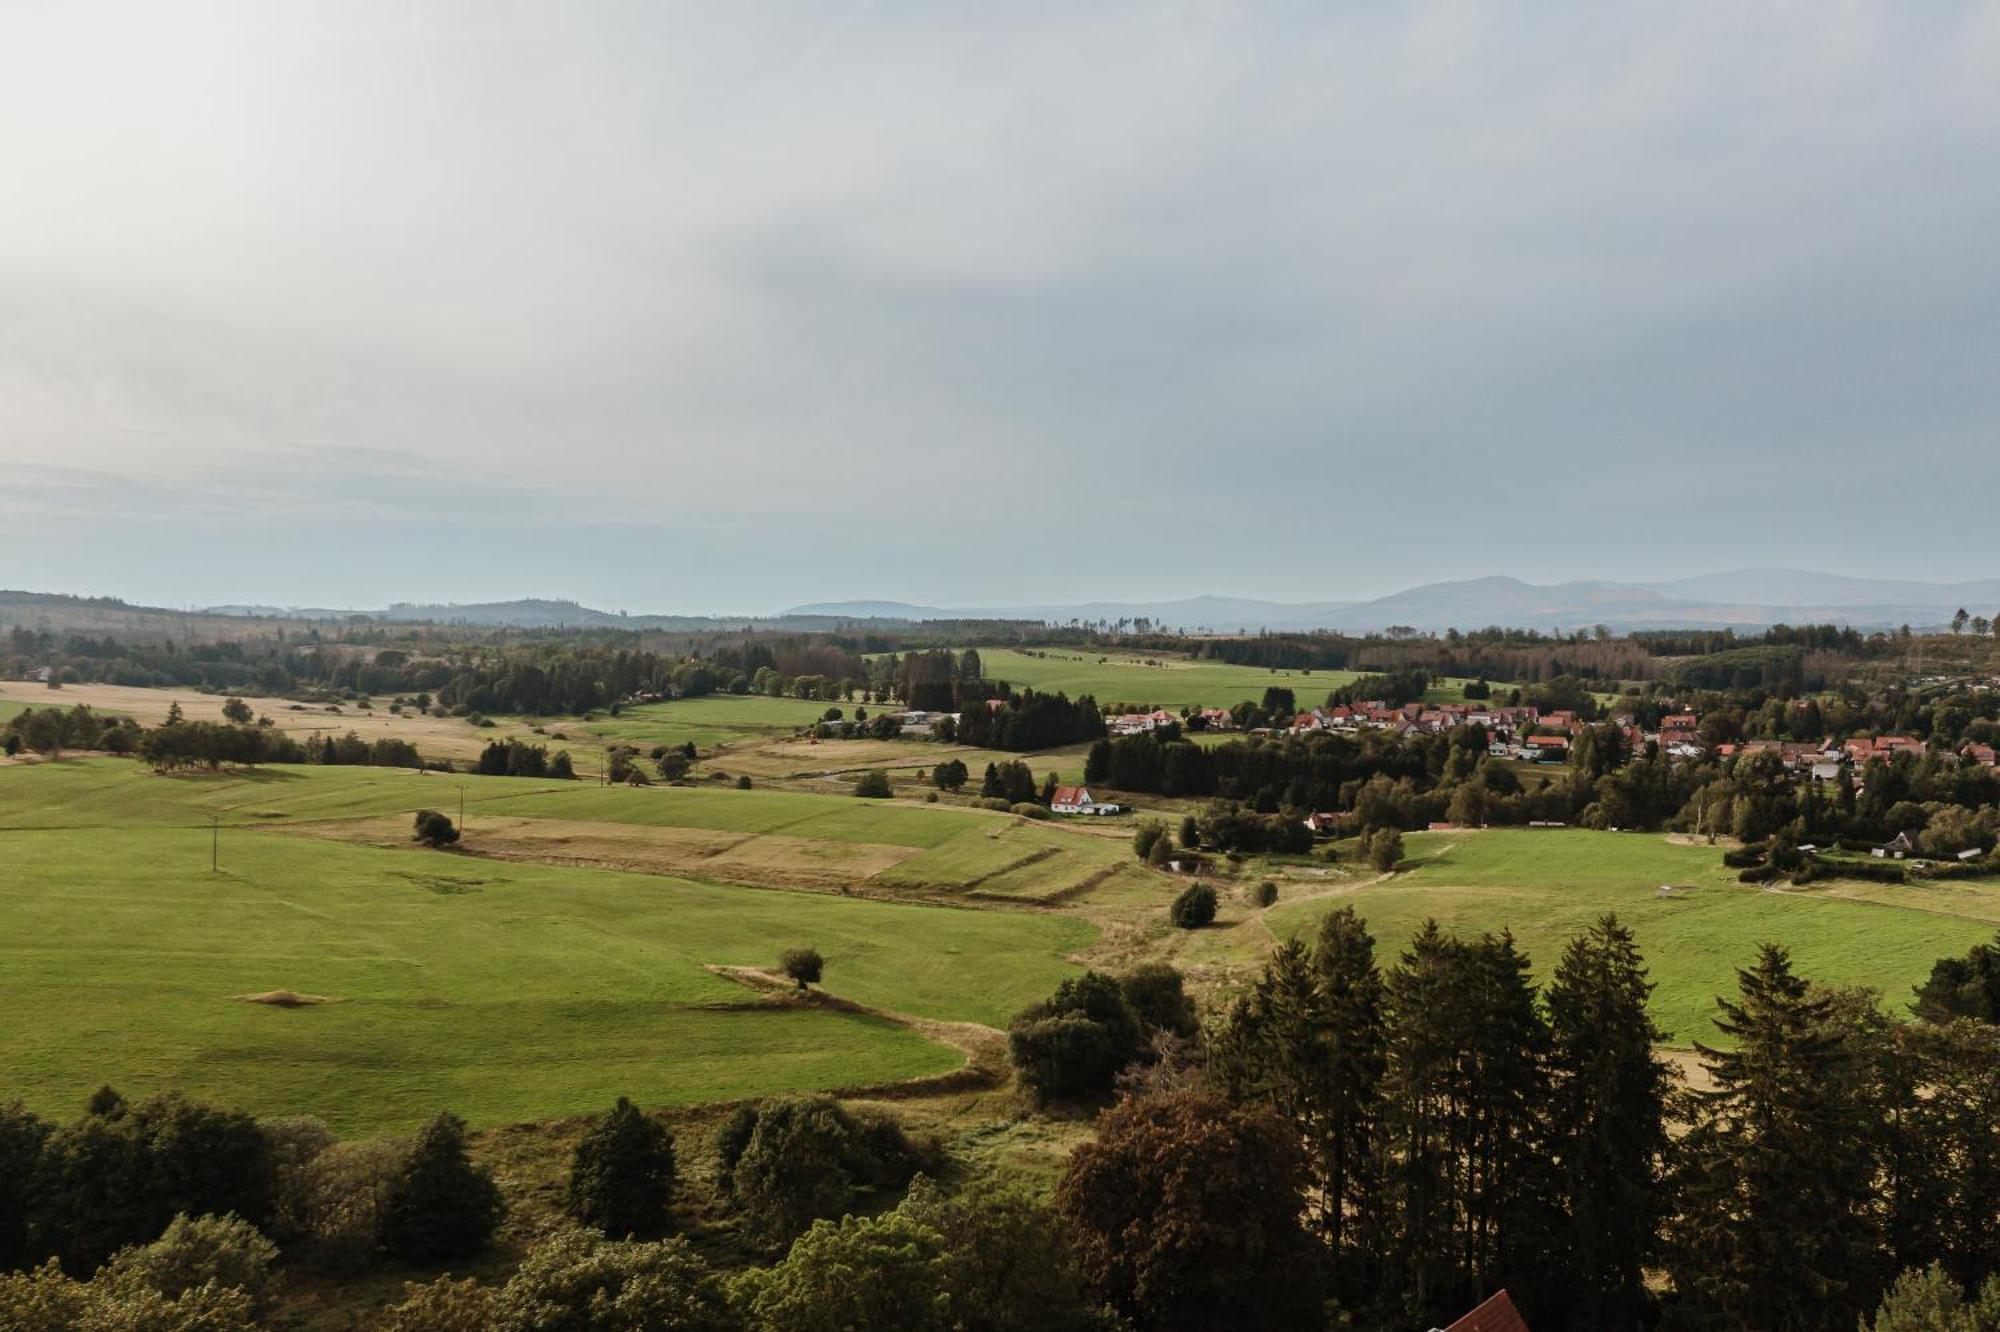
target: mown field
<point>1168,682</point>
<point>1546,884</point>
<point>502,989</point>
<point>714,720</point>
<point>1158,681</point>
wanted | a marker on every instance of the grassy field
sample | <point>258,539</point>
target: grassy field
<point>504,990</point>
<point>1167,682</point>
<point>1161,682</point>
<point>1546,884</point>
<point>715,720</point>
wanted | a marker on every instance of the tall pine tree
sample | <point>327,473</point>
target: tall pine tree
<point>1307,1041</point>
<point>1464,1097</point>
<point>1777,1225</point>
<point>1607,1126</point>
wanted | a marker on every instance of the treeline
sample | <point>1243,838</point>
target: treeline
<point>516,758</point>
<point>178,743</point>
<point>172,1216</point>
<point>1385,1146</point>
<point>1029,720</point>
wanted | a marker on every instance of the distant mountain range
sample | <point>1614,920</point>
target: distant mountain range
<point>1743,599</point>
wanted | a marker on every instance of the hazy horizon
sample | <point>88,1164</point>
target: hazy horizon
<point>671,308</point>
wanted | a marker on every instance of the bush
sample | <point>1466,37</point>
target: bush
<point>862,1272</point>
<point>119,1174</point>
<point>995,803</point>
<point>1158,999</point>
<point>434,829</point>
<point>579,1282</point>
<point>1194,908</point>
<point>48,1301</point>
<point>293,1143</point>
<point>1385,849</point>
<point>440,1205</point>
<point>1029,810</point>
<point>873,785</point>
<point>794,1168</point>
<point>21,1137</point>
<point>1146,836</point>
<point>443,1305</point>
<point>335,1201</point>
<point>743,782</point>
<point>1076,1040</point>
<point>621,1176</point>
<point>192,1253</point>
<point>1265,893</point>
<point>804,965</point>
<point>1061,1056</point>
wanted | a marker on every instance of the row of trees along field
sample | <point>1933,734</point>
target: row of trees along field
<point>179,743</point>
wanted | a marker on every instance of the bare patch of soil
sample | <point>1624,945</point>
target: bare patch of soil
<point>286,999</point>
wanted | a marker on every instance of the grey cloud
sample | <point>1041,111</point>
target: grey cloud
<point>771,303</point>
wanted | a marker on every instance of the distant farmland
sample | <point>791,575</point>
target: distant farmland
<point>1547,884</point>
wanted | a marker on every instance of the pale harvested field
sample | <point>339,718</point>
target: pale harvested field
<point>766,860</point>
<point>434,737</point>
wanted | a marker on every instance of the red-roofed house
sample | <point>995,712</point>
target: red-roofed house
<point>1545,748</point>
<point>1078,800</point>
<point>1496,1315</point>
<point>1983,755</point>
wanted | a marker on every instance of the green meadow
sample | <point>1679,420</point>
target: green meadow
<point>1168,682</point>
<point>710,721</point>
<point>1163,682</point>
<point>1547,884</point>
<point>504,990</point>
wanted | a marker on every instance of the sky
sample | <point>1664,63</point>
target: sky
<point>727,308</point>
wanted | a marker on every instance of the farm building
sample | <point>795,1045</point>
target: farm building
<point>1078,800</point>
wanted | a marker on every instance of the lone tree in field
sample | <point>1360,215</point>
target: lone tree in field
<point>803,965</point>
<point>440,1205</point>
<point>236,710</point>
<point>1385,849</point>
<point>434,829</point>
<point>622,1176</point>
<point>873,784</point>
<point>1193,908</point>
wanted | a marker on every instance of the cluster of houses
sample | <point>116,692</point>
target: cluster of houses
<point>1139,723</point>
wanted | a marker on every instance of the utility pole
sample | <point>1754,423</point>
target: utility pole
<point>214,843</point>
<point>461,806</point>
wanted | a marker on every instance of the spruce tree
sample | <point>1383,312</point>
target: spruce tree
<point>1307,1041</point>
<point>1776,1227</point>
<point>1464,1098</point>
<point>621,1178</point>
<point>439,1205</point>
<point>1607,1112</point>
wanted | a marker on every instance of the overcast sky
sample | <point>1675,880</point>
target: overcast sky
<point>735,306</point>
